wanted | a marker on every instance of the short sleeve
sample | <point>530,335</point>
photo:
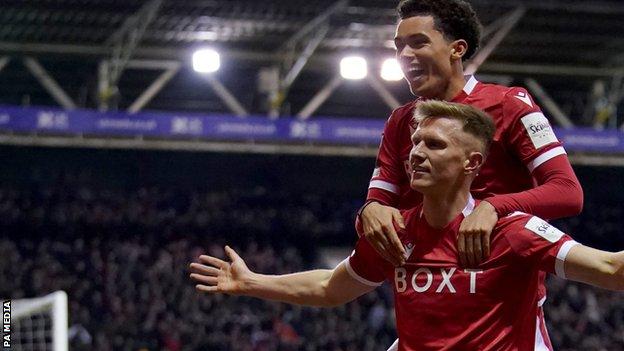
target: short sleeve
<point>365,265</point>
<point>389,173</point>
<point>538,242</point>
<point>531,137</point>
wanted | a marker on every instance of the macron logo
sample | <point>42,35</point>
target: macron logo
<point>409,247</point>
<point>522,96</point>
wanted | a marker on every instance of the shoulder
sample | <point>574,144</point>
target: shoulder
<point>513,221</point>
<point>398,125</point>
<point>411,216</point>
<point>486,95</point>
<point>510,98</point>
<point>402,114</point>
<point>530,225</point>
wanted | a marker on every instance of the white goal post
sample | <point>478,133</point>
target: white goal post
<point>40,323</point>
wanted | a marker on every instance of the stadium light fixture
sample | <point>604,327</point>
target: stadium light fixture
<point>391,71</point>
<point>206,61</point>
<point>353,68</point>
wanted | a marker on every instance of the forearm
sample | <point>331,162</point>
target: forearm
<point>616,263</point>
<point>384,197</point>
<point>304,288</point>
<point>559,193</point>
<point>596,267</point>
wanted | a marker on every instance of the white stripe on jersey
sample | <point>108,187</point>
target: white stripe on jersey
<point>380,184</point>
<point>540,344</point>
<point>561,256</point>
<point>550,154</point>
<point>357,276</point>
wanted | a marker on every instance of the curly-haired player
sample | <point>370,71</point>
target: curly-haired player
<point>527,170</point>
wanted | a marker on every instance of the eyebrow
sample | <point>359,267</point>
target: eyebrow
<point>412,37</point>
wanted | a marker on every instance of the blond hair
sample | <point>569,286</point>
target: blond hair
<point>476,122</point>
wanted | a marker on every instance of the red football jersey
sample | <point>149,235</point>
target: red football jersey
<point>440,306</point>
<point>523,140</point>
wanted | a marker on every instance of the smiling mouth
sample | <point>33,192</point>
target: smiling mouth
<point>419,170</point>
<point>415,73</point>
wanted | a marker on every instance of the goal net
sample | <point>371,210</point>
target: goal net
<point>40,324</point>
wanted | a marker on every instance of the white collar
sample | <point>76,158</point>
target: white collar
<point>469,206</point>
<point>467,209</point>
<point>471,83</point>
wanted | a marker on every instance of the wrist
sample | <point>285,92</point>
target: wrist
<point>366,204</point>
<point>490,204</point>
<point>250,283</point>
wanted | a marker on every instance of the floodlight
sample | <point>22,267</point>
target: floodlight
<point>206,61</point>
<point>353,67</point>
<point>391,71</point>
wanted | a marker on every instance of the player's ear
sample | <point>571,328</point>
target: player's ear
<point>458,49</point>
<point>473,162</point>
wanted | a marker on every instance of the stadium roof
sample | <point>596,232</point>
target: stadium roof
<point>564,50</point>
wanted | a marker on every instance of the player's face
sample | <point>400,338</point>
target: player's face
<point>438,155</point>
<point>424,55</point>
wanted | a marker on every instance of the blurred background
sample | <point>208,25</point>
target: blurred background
<point>135,135</point>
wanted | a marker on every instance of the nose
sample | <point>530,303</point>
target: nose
<point>405,52</point>
<point>416,155</point>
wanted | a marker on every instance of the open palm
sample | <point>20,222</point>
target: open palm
<point>216,275</point>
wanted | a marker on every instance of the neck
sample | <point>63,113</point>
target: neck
<point>441,207</point>
<point>456,84</point>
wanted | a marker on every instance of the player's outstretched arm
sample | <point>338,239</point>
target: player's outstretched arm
<point>599,268</point>
<point>321,288</point>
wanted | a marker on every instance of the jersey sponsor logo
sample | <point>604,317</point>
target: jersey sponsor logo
<point>539,130</point>
<point>544,229</point>
<point>524,97</point>
<point>421,280</point>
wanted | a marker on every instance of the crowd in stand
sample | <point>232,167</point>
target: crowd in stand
<point>122,257</point>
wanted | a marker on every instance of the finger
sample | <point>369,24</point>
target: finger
<point>390,248</point>
<point>205,288</point>
<point>391,241</point>
<point>205,270</point>
<point>232,254</point>
<point>213,261</point>
<point>470,250</point>
<point>396,215</point>
<point>476,246</point>
<point>381,250</point>
<point>461,249</point>
<point>379,242</point>
<point>359,225</point>
<point>486,245</point>
<point>395,239</point>
<point>206,280</point>
<point>397,246</point>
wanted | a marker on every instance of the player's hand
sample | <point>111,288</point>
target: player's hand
<point>217,276</point>
<point>378,228</point>
<point>473,241</point>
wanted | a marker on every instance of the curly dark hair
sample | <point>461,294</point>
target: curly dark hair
<point>454,18</point>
